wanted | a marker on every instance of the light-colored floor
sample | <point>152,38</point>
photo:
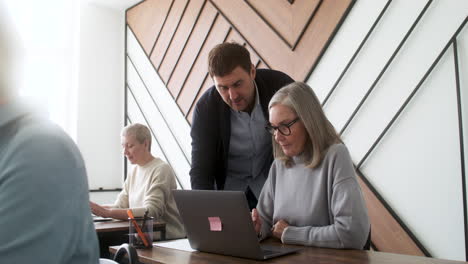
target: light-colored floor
<point>103,197</point>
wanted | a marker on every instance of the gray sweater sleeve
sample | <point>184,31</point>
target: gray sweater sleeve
<point>350,225</point>
<point>265,205</point>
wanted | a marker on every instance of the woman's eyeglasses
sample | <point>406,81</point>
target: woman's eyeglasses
<point>284,129</point>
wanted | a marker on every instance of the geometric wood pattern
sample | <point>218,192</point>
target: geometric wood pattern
<point>289,36</point>
<point>282,35</point>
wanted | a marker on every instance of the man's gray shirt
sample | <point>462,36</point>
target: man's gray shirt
<point>249,150</point>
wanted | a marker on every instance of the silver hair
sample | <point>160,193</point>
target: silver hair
<point>141,133</point>
<point>300,98</point>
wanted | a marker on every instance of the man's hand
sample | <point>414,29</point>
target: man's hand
<point>278,228</point>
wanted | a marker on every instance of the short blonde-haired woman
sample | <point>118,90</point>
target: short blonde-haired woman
<point>148,187</point>
<point>312,196</point>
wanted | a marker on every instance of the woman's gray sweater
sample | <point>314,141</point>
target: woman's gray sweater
<point>324,206</point>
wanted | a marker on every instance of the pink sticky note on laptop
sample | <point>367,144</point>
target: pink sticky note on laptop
<point>215,223</point>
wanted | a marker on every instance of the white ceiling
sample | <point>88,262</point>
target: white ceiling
<point>115,4</point>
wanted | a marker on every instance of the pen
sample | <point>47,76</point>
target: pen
<point>137,227</point>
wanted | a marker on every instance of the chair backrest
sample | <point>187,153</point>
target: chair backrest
<point>126,249</point>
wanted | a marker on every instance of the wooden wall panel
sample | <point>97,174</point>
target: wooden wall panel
<point>286,19</point>
<point>146,21</point>
<point>177,45</point>
<point>167,33</point>
<point>236,37</point>
<point>194,44</point>
<point>199,68</point>
<point>269,45</point>
<point>208,81</point>
<point>274,51</point>
<point>277,13</point>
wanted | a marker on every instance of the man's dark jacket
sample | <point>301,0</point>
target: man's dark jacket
<point>211,130</point>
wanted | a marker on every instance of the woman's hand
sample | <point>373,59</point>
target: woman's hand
<point>257,221</point>
<point>278,228</point>
<point>98,210</point>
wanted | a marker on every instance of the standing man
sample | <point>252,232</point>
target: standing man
<point>44,211</point>
<point>231,150</point>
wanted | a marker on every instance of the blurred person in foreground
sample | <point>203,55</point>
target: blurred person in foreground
<point>44,211</point>
<point>312,196</point>
<point>148,185</point>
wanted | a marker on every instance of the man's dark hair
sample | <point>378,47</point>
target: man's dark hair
<point>225,57</point>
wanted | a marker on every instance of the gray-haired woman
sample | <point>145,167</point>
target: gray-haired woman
<point>312,196</point>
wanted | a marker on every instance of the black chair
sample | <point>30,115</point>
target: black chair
<point>119,258</point>
<point>367,246</point>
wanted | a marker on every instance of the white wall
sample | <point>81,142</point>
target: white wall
<point>75,75</point>
<point>100,95</point>
<point>50,56</point>
<point>416,167</point>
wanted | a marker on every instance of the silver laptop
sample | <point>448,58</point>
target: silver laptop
<point>220,222</point>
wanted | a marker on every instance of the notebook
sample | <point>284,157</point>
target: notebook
<point>220,222</point>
